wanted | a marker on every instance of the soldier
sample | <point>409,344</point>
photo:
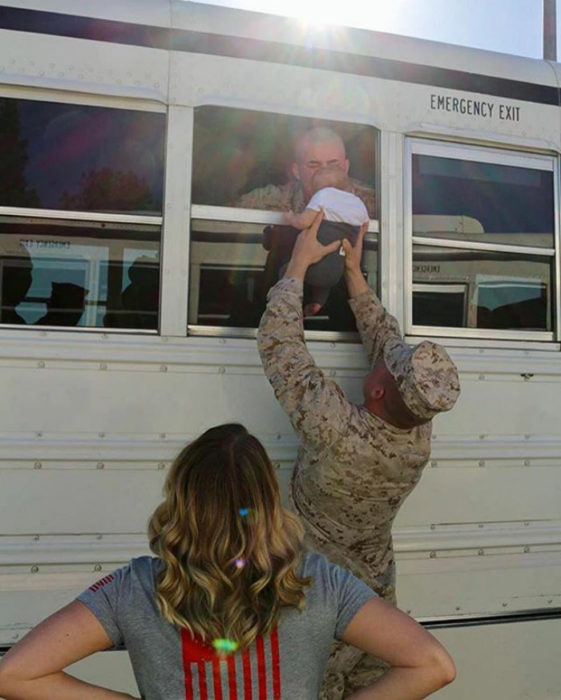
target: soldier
<point>356,463</point>
<point>316,148</point>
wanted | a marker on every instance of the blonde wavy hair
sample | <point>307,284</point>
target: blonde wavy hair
<point>230,550</point>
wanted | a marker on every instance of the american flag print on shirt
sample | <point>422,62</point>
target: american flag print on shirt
<point>102,582</point>
<point>253,674</point>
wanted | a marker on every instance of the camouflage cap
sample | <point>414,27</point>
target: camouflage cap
<point>426,377</point>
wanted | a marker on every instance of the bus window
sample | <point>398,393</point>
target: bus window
<point>243,180</point>
<point>80,215</point>
<point>483,236</point>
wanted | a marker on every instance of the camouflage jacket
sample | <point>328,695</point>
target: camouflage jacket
<point>289,197</point>
<point>353,469</point>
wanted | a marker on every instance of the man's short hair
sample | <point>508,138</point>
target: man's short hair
<point>319,134</point>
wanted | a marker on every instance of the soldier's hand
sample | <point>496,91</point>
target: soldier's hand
<point>353,254</point>
<point>308,250</point>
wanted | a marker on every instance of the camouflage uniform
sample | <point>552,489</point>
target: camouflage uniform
<point>353,470</point>
<point>289,197</point>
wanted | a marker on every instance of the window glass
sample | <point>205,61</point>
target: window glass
<point>255,160</point>
<point>482,289</point>
<point>482,202</point>
<point>80,158</point>
<point>79,275</point>
<point>232,268</point>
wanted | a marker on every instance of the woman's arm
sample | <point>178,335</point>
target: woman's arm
<point>32,669</point>
<point>419,663</point>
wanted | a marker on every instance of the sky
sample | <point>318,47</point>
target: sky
<point>508,26</point>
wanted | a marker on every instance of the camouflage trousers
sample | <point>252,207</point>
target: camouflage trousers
<point>348,668</point>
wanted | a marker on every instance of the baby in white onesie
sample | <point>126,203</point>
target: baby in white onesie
<point>344,214</point>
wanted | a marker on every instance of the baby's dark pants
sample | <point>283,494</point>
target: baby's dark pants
<point>325,274</point>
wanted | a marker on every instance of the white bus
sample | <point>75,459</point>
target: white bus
<point>131,286</point>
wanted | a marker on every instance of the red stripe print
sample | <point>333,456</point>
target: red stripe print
<point>258,673</point>
<point>247,693</point>
<point>102,582</point>
<point>194,651</point>
<point>275,658</point>
<point>217,680</point>
<point>232,678</point>
<point>261,668</point>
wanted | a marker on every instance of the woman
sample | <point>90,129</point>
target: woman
<point>230,607</point>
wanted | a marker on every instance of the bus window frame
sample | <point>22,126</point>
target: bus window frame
<point>543,161</point>
<point>52,215</point>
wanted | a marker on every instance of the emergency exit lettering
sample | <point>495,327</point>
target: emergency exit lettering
<point>509,114</point>
<point>476,108</point>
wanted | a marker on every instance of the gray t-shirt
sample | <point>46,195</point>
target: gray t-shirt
<point>169,665</point>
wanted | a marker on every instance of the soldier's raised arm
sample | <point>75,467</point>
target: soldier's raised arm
<point>315,404</point>
<point>375,325</point>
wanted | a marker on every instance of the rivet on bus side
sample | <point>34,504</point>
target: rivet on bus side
<point>37,465</point>
<point>98,567</point>
<point>100,465</point>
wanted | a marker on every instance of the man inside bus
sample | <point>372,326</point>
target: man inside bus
<point>319,147</point>
<point>356,463</point>
<point>315,148</point>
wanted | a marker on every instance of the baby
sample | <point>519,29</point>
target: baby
<point>344,214</point>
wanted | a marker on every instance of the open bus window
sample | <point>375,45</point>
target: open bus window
<point>243,171</point>
<point>81,202</point>
<point>89,275</point>
<point>483,230</point>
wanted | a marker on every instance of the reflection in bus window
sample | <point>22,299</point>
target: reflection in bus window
<point>485,202</point>
<point>480,289</point>
<point>231,270</point>
<point>80,158</point>
<point>94,275</point>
